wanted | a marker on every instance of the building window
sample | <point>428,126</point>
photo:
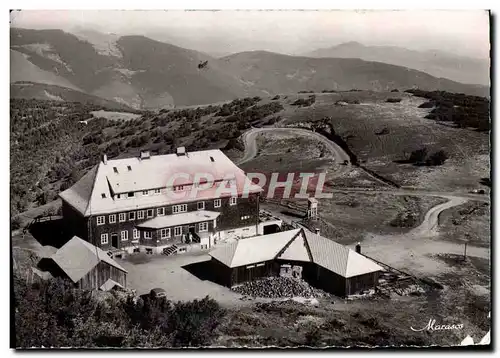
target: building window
<point>150,213</point>
<point>140,214</point>
<point>112,219</point>
<point>201,205</point>
<point>232,201</point>
<point>145,192</point>
<point>160,211</point>
<point>124,235</point>
<point>179,208</point>
<point>118,196</point>
<point>165,233</point>
<point>179,188</point>
<point>217,203</point>
<point>178,231</point>
<point>131,194</point>
<point>122,217</point>
<point>147,234</point>
<point>100,220</point>
<point>115,169</point>
<point>131,215</point>
<point>103,195</point>
<point>104,239</point>
<point>137,235</point>
<point>157,191</point>
<point>129,168</point>
<point>203,227</point>
<point>246,217</point>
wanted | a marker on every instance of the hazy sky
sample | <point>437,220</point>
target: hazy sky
<point>463,32</point>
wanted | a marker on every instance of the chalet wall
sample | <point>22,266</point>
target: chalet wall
<point>231,217</point>
<point>96,277</point>
<point>360,283</point>
<point>254,271</point>
<point>74,222</point>
<point>324,279</point>
<point>220,273</point>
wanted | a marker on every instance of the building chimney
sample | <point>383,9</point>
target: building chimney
<point>358,248</point>
<point>317,231</point>
<point>181,151</point>
<point>105,159</point>
<point>145,155</point>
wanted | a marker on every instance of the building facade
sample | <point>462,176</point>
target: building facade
<point>87,266</point>
<point>321,262</point>
<point>133,205</point>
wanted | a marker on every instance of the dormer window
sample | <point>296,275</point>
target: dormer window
<point>115,169</point>
<point>130,194</point>
<point>212,159</point>
<point>103,195</point>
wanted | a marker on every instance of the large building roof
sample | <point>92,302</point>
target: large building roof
<point>191,217</point>
<point>77,257</point>
<point>94,193</point>
<point>296,245</point>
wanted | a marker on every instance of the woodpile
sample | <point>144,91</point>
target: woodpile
<point>277,287</point>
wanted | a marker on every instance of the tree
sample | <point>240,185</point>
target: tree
<point>418,156</point>
<point>437,158</point>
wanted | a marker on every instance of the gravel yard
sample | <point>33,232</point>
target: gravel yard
<point>150,271</point>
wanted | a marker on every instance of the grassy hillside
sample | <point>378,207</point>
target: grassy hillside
<point>21,69</point>
<point>43,91</point>
<point>383,135</point>
<point>278,73</point>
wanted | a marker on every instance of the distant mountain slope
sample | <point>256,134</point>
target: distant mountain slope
<point>134,70</point>
<point>148,74</point>
<point>163,68</point>
<point>279,73</point>
<point>436,63</point>
<point>21,69</point>
<point>56,93</point>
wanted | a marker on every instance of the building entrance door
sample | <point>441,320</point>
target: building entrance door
<point>191,234</point>
<point>114,240</point>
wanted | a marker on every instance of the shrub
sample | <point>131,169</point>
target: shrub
<point>15,223</point>
<point>428,104</point>
<point>393,100</point>
<point>437,158</point>
<point>305,102</point>
<point>418,156</point>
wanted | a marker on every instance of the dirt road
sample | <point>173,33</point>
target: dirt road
<point>251,144</point>
<point>413,251</point>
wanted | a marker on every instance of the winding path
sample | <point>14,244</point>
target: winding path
<point>414,248</point>
<point>249,138</point>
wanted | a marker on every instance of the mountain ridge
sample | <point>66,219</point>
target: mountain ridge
<point>467,70</point>
<point>149,74</point>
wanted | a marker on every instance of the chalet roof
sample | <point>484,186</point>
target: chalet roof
<point>252,250</point>
<point>296,245</point>
<point>338,258</point>
<point>77,257</point>
<point>93,193</point>
<point>191,217</point>
<point>109,285</point>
